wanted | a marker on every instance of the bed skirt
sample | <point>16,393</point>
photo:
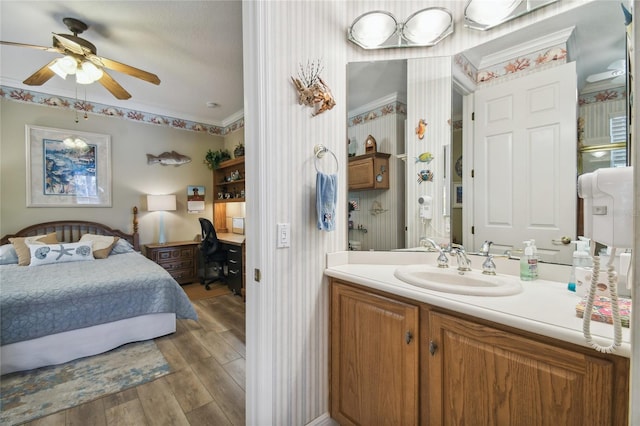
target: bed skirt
<point>69,345</point>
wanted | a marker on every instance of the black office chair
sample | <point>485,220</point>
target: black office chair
<point>212,255</point>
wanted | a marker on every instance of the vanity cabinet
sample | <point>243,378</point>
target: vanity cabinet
<point>369,171</point>
<point>374,358</point>
<point>478,374</point>
<point>470,371</point>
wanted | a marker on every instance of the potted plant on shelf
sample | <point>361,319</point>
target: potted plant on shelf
<point>239,150</point>
<point>214,158</point>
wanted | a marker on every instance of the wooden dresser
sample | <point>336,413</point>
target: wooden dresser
<point>179,258</point>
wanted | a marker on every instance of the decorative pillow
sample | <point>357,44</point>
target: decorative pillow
<point>20,244</point>
<point>8,255</point>
<point>121,247</point>
<point>43,254</point>
<point>102,244</point>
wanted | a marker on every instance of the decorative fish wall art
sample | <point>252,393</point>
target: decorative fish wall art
<point>425,157</point>
<point>168,159</point>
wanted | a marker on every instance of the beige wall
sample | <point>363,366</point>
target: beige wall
<point>132,176</point>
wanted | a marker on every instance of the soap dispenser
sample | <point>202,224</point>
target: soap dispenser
<point>529,262</point>
<point>581,259</point>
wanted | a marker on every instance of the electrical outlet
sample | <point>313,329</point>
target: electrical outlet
<point>283,235</point>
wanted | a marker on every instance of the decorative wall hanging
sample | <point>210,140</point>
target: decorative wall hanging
<point>168,159</point>
<point>312,90</point>
<point>457,196</point>
<point>425,157</point>
<point>421,129</point>
<point>195,198</point>
<point>425,176</point>
<point>66,168</point>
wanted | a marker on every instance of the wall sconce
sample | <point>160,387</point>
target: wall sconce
<point>381,30</point>
<point>161,203</point>
<point>486,14</point>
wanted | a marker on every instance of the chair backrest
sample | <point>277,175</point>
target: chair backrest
<point>209,243</point>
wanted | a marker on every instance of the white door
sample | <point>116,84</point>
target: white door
<point>525,163</point>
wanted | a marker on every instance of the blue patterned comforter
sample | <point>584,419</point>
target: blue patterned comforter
<point>41,300</point>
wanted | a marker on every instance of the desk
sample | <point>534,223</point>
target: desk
<point>234,244</point>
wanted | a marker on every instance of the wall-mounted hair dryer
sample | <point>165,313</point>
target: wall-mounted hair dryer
<point>425,206</point>
<point>608,219</point>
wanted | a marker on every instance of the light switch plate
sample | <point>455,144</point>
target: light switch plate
<point>283,235</point>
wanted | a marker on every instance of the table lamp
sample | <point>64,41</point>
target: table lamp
<point>161,203</point>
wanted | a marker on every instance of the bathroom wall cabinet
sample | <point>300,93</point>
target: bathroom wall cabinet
<point>470,371</point>
<point>369,171</point>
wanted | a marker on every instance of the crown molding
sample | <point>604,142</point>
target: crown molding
<point>375,104</point>
<point>549,40</point>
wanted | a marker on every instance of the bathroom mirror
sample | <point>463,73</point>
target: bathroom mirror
<point>595,18</point>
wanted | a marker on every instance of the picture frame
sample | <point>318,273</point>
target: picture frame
<point>457,196</point>
<point>67,168</point>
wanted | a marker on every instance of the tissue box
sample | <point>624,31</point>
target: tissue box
<point>602,310</point>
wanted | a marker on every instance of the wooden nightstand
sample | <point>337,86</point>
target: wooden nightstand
<point>179,258</point>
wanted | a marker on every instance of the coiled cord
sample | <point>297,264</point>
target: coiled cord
<point>615,308</point>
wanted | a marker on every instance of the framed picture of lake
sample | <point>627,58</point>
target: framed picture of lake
<point>66,168</point>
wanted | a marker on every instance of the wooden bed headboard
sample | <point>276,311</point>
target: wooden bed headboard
<point>70,231</point>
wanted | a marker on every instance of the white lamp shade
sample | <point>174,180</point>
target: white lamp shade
<point>161,202</point>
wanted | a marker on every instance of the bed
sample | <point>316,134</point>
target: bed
<point>60,310</point>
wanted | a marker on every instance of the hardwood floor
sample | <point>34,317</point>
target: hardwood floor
<point>206,385</point>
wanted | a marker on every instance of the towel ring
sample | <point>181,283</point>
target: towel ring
<point>319,151</point>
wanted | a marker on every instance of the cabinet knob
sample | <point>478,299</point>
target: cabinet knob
<point>433,347</point>
<point>408,337</point>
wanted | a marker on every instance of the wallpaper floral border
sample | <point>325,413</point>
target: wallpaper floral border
<point>395,107</point>
<point>613,94</point>
<point>28,96</point>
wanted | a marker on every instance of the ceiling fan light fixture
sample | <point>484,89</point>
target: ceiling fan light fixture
<point>64,66</point>
<point>92,72</point>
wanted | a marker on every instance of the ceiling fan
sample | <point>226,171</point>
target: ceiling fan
<point>615,69</point>
<point>80,58</point>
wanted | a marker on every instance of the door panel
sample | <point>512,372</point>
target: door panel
<point>525,162</point>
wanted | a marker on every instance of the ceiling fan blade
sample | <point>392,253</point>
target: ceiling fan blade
<point>125,69</point>
<point>32,46</point>
<point>41,76</point>
<point>604,75</point>
<point>112,86</point>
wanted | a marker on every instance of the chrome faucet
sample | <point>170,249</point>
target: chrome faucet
<point>443,261</point>
<point>464,264</point>
<point>486,246</point>
<point>434,245</point>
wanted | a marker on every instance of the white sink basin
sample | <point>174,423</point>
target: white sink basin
<point>450,280</point>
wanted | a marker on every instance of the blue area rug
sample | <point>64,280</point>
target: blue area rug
<point>36,393</point>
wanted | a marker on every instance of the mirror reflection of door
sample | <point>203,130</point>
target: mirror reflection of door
<point>525,162</point>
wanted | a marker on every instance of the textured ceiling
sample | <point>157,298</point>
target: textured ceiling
<point>195,48</point>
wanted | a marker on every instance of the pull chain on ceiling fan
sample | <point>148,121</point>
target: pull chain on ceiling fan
<point>81,59</point>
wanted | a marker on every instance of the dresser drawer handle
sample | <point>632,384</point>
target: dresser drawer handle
<point>234,272</point>
<point>233,251</point>
<point>233,261</point>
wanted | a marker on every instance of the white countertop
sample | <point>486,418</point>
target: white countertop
<point>544,306</point>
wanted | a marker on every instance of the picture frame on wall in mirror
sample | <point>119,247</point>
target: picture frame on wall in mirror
<point>457,196</point>
<point>67,168</point>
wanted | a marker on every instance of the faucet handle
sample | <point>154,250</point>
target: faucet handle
<point>443,261</point>
<point>489,266</point>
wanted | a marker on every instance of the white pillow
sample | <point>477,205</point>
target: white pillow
<point>121,247</point>
<point>43,254</point>
<point>8,254</point>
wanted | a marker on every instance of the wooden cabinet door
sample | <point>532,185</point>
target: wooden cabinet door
<point>374,359</point>
<point>479,375</point>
